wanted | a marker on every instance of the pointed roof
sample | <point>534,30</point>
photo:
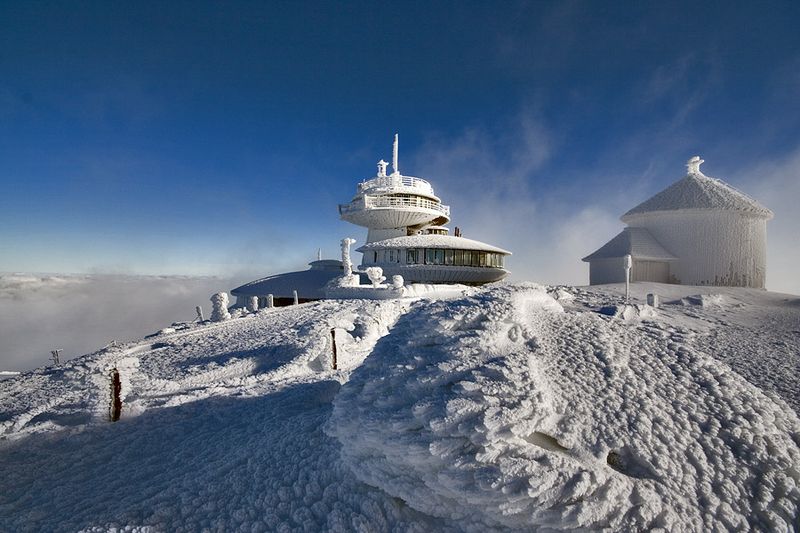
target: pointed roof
<point>698,191</point>
<point>634,241</point>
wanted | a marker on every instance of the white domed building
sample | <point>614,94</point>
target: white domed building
<point>697,231</point>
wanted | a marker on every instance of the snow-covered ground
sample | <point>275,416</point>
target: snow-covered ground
<point>503,410</point>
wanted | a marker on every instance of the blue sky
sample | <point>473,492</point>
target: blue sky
<point>217,138</point>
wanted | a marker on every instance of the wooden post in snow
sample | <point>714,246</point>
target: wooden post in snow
<point>333,346</point>
<point>116,400</point>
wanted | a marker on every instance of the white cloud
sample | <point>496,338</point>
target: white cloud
<point>486,178</point>
<point>776,184</point>
<point>80,314</point>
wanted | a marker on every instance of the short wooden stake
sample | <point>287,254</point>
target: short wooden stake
<point>333,346</point>
<point>116,401</point>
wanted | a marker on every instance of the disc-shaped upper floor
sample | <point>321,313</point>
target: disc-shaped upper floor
<point>395,201</point>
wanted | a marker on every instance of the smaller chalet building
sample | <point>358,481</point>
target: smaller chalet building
<point>650,260</point>
<point>697,231</point>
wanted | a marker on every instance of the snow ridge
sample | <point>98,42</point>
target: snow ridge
<point>499,411</point>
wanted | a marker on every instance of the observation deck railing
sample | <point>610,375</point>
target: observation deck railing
<point>370,202</point>
<point>386,182</point>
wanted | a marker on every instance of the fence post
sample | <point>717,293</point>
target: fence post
<point>116,401</point>
<point>333,346</point>
<point>270,300</point>
<point>294,295</point>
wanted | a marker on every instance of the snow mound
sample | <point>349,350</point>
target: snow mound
<point>629,312</point>
<point>705,300</point>
<point>500,411</point>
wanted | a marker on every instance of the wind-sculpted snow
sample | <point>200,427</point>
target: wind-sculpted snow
<point>502,411</point>
<point>505,410</point>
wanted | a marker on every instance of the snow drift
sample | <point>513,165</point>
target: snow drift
<point>502,411</point>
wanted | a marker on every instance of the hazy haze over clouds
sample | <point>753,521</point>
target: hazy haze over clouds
<point>80,314</point>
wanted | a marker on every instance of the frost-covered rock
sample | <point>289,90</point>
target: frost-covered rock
<point>397,281</point>
<point>500,411</point>
<point>629,312</point>
<point>252,304</point>
<point>375,275</point>
<point>219,307</point>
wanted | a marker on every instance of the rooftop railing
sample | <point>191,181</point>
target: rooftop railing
<point>371,202</point>
<point>396,181</point>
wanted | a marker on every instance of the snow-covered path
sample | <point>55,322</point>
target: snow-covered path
<point>505,410</point>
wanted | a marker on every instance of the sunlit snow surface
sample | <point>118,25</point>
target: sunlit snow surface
<point>503,410</point>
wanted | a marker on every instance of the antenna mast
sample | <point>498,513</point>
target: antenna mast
<point>395,168</point>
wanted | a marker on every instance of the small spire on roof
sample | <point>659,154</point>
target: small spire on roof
<point>693,165</point>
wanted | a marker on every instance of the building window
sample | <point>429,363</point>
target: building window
<point>411,256</point>
<point>429,253</point>
<point>374,257</point>
<point>439,257</point>
<point>448,257</point>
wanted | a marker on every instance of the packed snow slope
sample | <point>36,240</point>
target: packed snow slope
<point>511,408</point>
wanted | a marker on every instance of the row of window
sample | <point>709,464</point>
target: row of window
<point>436,256</point>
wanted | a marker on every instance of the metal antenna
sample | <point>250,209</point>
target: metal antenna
<point>395,167</point>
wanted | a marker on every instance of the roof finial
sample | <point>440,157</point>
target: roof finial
<point>693,165</point>
<point>382,168</point>
<point>395,168</point>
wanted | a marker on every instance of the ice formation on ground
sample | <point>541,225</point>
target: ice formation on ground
<point>219,307</point>
<point>501,409</point>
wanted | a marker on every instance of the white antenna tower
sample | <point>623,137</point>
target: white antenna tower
<point>395,167</point>
<point>319,254</point>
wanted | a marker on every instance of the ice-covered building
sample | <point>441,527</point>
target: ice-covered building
<point>697,231</point>
<point>309,284</point>
<point>406,234</point>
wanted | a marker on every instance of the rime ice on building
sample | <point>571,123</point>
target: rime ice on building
<point>697,231</point>
<point>406,234</point>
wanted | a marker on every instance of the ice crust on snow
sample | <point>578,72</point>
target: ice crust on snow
<point>502,409</point>
<point>505,412</point>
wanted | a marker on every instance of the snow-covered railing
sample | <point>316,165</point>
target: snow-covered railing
<point>370,202</point>
<point>383,182</point>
